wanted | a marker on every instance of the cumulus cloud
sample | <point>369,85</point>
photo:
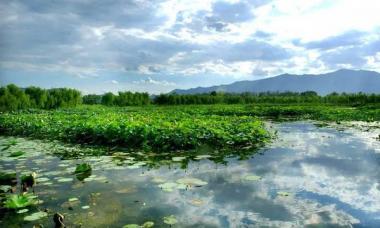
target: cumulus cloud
<point>163,38</point>
<point>149,80</point>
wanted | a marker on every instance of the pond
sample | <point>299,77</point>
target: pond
<point>309,175</point>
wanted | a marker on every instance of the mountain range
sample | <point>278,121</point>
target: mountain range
<point>344,80</point>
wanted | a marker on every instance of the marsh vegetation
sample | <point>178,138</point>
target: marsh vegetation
<point>271,159</point>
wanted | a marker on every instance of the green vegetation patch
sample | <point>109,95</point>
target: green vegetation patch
<point>15,201</point>
<point>7,177</point>
<point>83,168</point>
<point>161,129</point>
<point>17,154</point>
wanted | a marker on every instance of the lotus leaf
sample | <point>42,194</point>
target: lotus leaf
<point>36,216</point>
<point>170,220</point>
<point>17,154</point>
<point>83,168</point>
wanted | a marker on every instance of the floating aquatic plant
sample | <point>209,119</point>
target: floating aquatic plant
<point>83,171</point>
<point>205,156</point>
<point>8,144</point>
<point>169,129</point>
<point>7,177</point>
<point>17,154</point>
<point>148,224</point>
<point>170,220</point>
<point>15,201</point>
<point>35,216</point>
<point>83,168</point>
<point>73,199</point>
<point>5,188</point>
<point>131,226</point>
<point>65,179</point>
<point>178,159</point>
<point>22,211</point>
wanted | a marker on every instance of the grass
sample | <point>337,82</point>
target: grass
<point>167,128</point>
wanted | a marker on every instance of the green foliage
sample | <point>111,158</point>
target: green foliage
<point>108,99</point>
<point>82,168</point>
<point>62,97</point>
<point>125,99</point>
<point>7,177</point>
<point>13,98</point>
<point>92,99</point>
<point>147,128</point>
<point>38,97</point>
<point>17,154</point>
<point>28,179</point>
<point>15,201</point>
<point>307,97</point>
<point>170,220</point>
<point>168,128</point>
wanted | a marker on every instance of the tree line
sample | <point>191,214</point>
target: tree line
<point>121,99</point>
<point>355,99</point>
<point>15,98</point>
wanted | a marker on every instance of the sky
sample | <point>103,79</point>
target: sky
<point>160,45</point>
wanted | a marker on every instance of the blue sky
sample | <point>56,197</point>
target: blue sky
<point>157,46</point>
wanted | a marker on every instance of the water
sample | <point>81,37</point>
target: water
<point>308,176</point>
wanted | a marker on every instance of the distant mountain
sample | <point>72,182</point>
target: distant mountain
<point>349,81</point>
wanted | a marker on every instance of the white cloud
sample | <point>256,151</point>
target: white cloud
<point>149,80</point>
<point>239,38</point>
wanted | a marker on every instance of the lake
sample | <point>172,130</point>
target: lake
<point>324,176</point>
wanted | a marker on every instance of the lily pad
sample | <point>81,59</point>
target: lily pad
<point>7,177</point>
<point>133,167</point>
<point>42,179</point>
<point>22,211</point>
<point>35,216</point>
<point>73,199</point>
<point>181,186</point>
<point>67,179</point>
<point>131,226</point>
<point>5,188</point>
<point>17,154</point>
<point>252,178</point>
<point>205,156</point>
<point>170,220</point>
<point>148,224</point>
<point>178,159</point>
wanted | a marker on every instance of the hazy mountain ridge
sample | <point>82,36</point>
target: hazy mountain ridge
<point>349,81</point>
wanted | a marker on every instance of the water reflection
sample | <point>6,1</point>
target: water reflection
<point>308,176</point>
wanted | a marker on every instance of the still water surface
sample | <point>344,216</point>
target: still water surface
<point>308,176</point>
